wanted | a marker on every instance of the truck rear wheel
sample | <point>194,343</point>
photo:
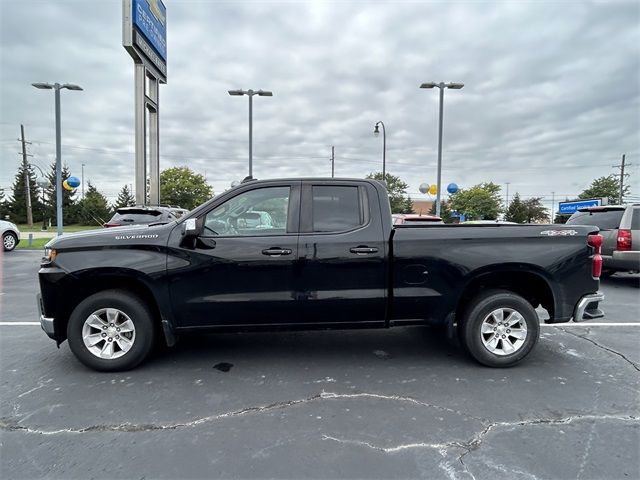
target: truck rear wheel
<point>499,328</point>
<point>111,331</point>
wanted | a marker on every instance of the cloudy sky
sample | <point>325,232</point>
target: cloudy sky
<point>551,97</point>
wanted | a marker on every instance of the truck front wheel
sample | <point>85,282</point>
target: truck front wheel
<point>499,328</point>
<point>111,331</point>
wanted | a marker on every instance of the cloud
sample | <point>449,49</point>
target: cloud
<point>551,97</point>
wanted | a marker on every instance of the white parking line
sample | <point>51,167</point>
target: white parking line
<point>18,324</point>
<point>567,324</point>
<point>592,324</point>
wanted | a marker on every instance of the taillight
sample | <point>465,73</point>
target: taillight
<point>624,240</point>
<point>107,225</point>
<point>595,241</point>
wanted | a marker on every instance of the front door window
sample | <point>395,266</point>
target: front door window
<point>260,212</point>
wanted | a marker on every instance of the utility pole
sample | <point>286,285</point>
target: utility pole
<point>333,160</point>
<point>25,165</point>
<point>83,181</point>
<point>508,183</point>
<point>553,207</point>
<point>621,167</point>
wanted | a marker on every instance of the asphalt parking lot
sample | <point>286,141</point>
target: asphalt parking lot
<point>399,403</point>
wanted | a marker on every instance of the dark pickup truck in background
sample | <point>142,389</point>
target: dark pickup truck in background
<point>313,253</point>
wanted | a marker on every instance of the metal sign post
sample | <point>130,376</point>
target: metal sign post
<point>144,36</point>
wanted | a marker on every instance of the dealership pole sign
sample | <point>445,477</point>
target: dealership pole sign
<point>144,36</point>
<point>568,208</point>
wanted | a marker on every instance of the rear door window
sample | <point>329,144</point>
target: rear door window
<point>635,220</point>
<point>336,208</point>
<point>605,220</point>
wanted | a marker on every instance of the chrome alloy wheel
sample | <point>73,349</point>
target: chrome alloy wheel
<point>108,333</point>
<point>9,242</point>
<point>503,331</point>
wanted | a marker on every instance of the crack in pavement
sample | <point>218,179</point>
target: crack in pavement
<point>476,441</point>
<point>610,350</point>
<point>9,424</point>
<point>445,449</point>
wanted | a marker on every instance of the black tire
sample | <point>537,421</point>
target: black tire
<point>479,309</point>
<point>137,311</point>
<point>6,239</point>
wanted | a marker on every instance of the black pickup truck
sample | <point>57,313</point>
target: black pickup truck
<point>313,254</point>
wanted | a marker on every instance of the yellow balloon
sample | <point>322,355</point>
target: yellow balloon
<point>433,189</point>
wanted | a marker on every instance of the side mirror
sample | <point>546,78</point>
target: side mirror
<point>190,228</point>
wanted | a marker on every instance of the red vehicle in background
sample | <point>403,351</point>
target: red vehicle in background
<point>415,219</point>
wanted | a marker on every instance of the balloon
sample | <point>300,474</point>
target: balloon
<point>424,187</point>
<point>452,188</point>
<point>433,189</point>
<point>66,186</point>
<point>74,182</point>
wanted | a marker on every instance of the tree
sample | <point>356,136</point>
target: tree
<point>605,187</point>
<point>68,201</point>
<point>397,189</point>
<point>125,198</point>
<point>180,186</point>
<point>93,209</point>
<point>4,205</point>
<point>535,210</point>
<point>17,204</point>
<point>517,211</point>
<point>480,202</point>
<point>445,211</point>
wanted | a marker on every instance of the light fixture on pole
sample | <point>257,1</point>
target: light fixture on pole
<point>441,86</point>
<point>376,132</point>
<point>57,87</point>
<point>250,93</point>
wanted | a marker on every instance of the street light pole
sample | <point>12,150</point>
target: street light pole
<point>57,87</point>
<point>83,181</point>
<point>59,220</point>
<point>376,132</point>
<point>250,135</point>
<point>250,93</point>
<point>441,86</point>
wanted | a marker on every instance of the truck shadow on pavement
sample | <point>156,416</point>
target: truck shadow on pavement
<point>406,346</point>
<point>622,280</point>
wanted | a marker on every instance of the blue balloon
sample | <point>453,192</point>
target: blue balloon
<point>73,182</point>
<point>452,188</point>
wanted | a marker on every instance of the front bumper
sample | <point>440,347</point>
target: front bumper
<point>587,307</point>
<point>45,322</point>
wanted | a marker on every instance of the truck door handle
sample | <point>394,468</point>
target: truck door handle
<point>363,250</point>
<point>276,251</point>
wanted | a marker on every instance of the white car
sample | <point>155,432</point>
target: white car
<point>10,235</point>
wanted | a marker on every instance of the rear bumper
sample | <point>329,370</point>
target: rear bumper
<point>588,307</point>
<point>625,260</point>
<point>45,322</point>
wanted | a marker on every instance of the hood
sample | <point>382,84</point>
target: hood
<point>113,237</point>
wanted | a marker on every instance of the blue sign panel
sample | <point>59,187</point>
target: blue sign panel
<point>567,208</point>
<point>150,19</point>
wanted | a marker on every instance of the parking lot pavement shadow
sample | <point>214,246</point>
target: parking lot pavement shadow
<point>622,280</point>
<point>410,345</point>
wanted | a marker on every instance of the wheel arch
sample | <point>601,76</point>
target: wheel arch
<point>528,281</point>
<point>82,285</point>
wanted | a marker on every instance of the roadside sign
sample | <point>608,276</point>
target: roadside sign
<point>567,208</point>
